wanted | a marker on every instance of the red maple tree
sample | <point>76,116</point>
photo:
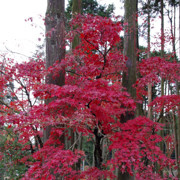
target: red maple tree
<point>92,103</point>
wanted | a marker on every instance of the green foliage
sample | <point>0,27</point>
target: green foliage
<point>12,150</point>
<point>91,7</point>
<point>88,149</point>
<point>171,2</point>
<point>143,53</point>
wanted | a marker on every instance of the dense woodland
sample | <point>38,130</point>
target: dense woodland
<point>95,105</point>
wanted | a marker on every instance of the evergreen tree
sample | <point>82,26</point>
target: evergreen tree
<point>91,7</point>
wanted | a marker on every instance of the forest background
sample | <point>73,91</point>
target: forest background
<point>111,104</point>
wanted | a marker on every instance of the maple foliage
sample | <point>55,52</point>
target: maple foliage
<point>52,159</point>
<point>168,103</point>
<point>136,145</point>
<point>92,102</point>
<point>151,73</point>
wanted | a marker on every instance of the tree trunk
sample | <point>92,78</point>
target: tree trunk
<point>172,30</point>
<point>162,28</point>
<point>98,149</point>
<point>55,44</point>
<point>178,141</point>
<point>162,80</point>
<point>176,121</point>
<point>130,51</point>
<point>148,56</point>
<point>130,45</point>
<point>76,9</point>
<point>178,130</point>
<point>76,137</point>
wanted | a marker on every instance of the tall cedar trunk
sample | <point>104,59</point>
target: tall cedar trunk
<point>176,121</point>
<point>162,80</point>
<point>162,28</point>
<point>162,56</point>
<point>172,30</point>
<point>130,51</point>
<point>130,45</point>
<point>76,9</point>
<point>148,56</point>
<point>178,130</point>
<point>55,44</point>
<point>174,44</point>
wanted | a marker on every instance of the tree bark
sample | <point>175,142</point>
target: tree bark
<point>130,45</point>
<point>178,119</point>
<point>162,28</point>
<point>55,44</point>
<point>162,80</point>
<point>76,9</point>
<point>148,56</point>
<point>76,137</point>
<point>130,51</point>
<point>98,149</point>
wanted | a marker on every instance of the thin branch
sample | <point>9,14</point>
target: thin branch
<point>93,46</point>
<point>38,137</point>
<point>69,71</point>
<point>13,52</point>
<point>1,101</point>
<point>73,145</point>
<point>27,93</point>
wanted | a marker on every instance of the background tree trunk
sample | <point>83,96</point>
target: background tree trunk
<point>148,56</point>
<point>76,9</point>
<point>130,45</point>
<point>76,137</point>
<point>130,51</point>
<point>55,44</point>
<point>178,119</point>
<point>162,80</point>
